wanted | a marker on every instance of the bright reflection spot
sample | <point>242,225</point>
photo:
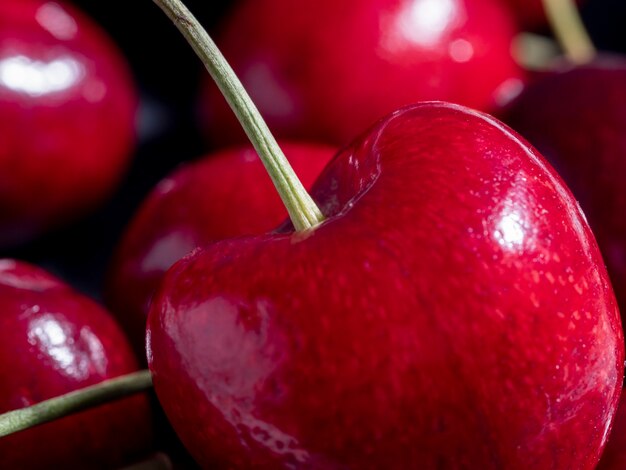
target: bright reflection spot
<point>50,337</point>
<point>149,345</point>
<point>461,50</point>
<point>424,21</point>
<point>36,78</point>
<point>55,339</point>
<point>7,264</point>
<point>510,230</point>
<point>95,357</point>
<point>242,351</point>
<point>35,281</point>
<point>167,250</point>
<point>56,21</point>
<point>508,90</point>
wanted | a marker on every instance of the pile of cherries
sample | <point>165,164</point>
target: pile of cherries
<point>448,296</point>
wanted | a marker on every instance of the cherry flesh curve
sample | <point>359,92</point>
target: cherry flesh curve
<point>54,341</point>
<point>67,107</point>
<point>225,195</point>
<point>577,119</point>
<point>614,456</point>
<point>452,312</point>
<point>328,71</point>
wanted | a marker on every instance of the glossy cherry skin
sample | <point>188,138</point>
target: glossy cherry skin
<point>577,119</point>
<point>614,456</point>
<point>328,71</point>
<point>452,312</point>
<point>67,109</point>
<point>53,341</point>
<point>223,195</point>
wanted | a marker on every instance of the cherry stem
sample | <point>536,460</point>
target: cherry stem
<point>73,402</point>
<point>569,29</point>
<point>303,211</point>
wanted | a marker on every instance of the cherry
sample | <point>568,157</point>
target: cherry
<point>224,195</point>
<point>331,69</point>
<point>67,106</point>
<point>53,341</point>
<point>450,324</point>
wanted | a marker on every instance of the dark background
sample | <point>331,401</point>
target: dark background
<point>168,75</point>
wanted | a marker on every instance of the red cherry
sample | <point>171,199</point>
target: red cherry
<point>53,341</point>
<point>453,311</point>
<point>577,119</point>
<point>224,195</point>
<point>327,71</point>
<point>67,107</point>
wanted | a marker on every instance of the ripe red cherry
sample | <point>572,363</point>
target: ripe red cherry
<point>54,341</point>
<point>453,311</point>
<point>224,195</point>
<point>67,107</point>
<point>327,71</point>
<point>577,119</point>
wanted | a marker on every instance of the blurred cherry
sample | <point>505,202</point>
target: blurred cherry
<point>53,341</point>
<point>67,110</point>
<point>223,195</point>
<point>327,70</point>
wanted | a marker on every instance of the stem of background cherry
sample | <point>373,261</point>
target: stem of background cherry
<point>73,402</point>
<point>570,30</point>
<point>303,211</point>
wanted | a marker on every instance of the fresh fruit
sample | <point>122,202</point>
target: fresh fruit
<point>67,107</point>
<point>453,311</point>
<point>577,119</point>
<point>327,71</point>
<point>53,341</point>
<point>224,195</point>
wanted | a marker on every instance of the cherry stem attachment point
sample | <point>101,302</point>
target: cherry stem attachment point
<point>303,211</point>
<point>569,29</point>
<point>73,402</point>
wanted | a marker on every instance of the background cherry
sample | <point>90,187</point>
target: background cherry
<point>67,110</point>
<point>53,341</point>
<point>223,195</point>
<point>331,69</point>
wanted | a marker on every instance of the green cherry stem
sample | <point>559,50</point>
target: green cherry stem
<point>303,211</point>
<point>73,402</point>
<point>569,29</point>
